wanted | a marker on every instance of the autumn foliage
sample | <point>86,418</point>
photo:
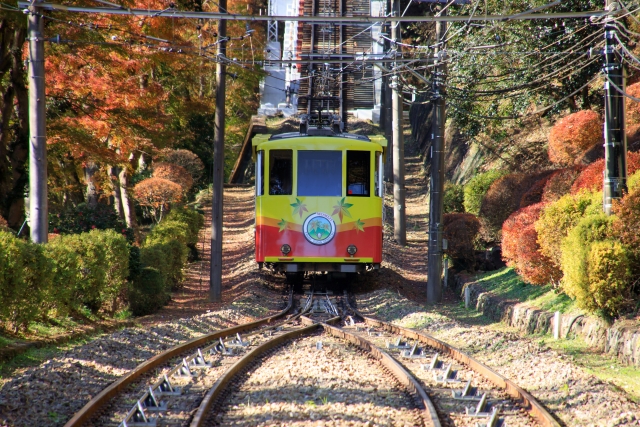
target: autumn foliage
<point>559,183</point>
<point>187,159</point>
<point>460,230</point>
<point>505,195</point>
<point>573,135</point>
<point>173,173</point>
<point>633,108</point>
<point>520,247</point>
<point>156,195</point>
<point>591,178</point>
<point>626,227</point>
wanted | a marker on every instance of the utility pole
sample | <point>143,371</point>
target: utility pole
<point>386,108</point>
<point>399,209</point>
<point>215,286</point>
<point>615,138</point>
<point>434,266</point>
<point>38,209</point>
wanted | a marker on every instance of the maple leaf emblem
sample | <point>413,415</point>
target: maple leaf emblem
<point>299,207</point>
<point>282,224</point>
<point>342,209</point>
<point>359,225</point>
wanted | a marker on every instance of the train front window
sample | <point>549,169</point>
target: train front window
<point>358,173</point>
<point>319,173</point>
<point>280,172</point>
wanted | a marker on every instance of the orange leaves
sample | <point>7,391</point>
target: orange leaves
<point>520,247</point>
<point>591,178</point>
<point>156,195</point>
<point>573,135</point>
<point>173,173</point>
<point>187,159</point>
<point>633,108</point>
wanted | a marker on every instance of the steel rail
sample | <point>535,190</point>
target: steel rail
<point>201,415</point>
<point>429,414</point>
<point>177,14</point>
<point>117,386</point>
<point>528,402</point>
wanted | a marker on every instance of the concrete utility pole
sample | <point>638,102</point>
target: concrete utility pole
<point>399,209</point>
<point>615,138</point>
<point>38,209</point>
<point>215,286</point>
<point>434,267</point>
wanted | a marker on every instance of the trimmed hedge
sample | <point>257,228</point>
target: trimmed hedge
<point>25,280</point>
<point>559,217</point>
<point>576,248</point>
<point>453,198</point>
<point>148,292</point>
<point>520,248</point>
<point>460,230</point>
<point>477,187</point>
<point>40,281</point>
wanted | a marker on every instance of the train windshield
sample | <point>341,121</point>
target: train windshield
<point>319,173</point>
<point>280,172</point>
<point>358,173</point>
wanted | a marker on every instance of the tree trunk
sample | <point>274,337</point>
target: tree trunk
<point>114,173</point>
<point>586,103</point>
<point>14,142</point>
<point>91,195</point>
<point>127,200</point>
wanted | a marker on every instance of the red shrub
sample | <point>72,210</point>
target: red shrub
<point>626,226</point>
<point>560,183</point>
<point>3,224</point>
<point>185,158</point>
<point>592,176</point>
<point>156,195</point>
<point>504,197</point>
<point>633,108</point>
<point>534,195</point>
<point>460,230</point>
<point>573,135</point>
<point>173,173</point>
<point>520,248</point>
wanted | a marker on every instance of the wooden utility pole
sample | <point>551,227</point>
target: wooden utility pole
<point>399,208</point>
<point>434,267</point>
<point>615,138</point>
<point>215,289</point>
<point>38,199</point>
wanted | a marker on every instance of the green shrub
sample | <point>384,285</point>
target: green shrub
<point>66,275</point>
<point>25,280</point>
<point>92,265</point>
<point>559,217</point>
<point>148,293</point>
<point>193,220</point>
<point>116,251</point>
<point>476,188</point>
<point>609,278</point>
<point>168,230</point>
<point>633,181</point>
<point>84,218</point>
<point>168,257</point>
<point>575,253</point>
<point>453,198</point>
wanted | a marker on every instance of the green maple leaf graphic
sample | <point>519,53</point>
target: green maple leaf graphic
<point>359,225</point>
<point>342,209</point>
<point>299,207</point>
<point>282,224</point>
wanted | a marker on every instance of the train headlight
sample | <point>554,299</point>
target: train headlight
<point>285,249</point>
<point>351,250</point>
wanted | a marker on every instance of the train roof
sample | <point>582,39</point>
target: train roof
<point>330,134</point>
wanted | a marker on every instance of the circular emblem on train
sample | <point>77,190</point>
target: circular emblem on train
<point>319,228</point>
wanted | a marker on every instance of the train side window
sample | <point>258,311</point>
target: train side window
<point>260,174</point>
<point>378,175</point>
<point>319,173</point>
<point>359,173</point>
<point>280,172</point>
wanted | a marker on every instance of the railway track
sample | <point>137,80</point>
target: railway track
<point>322,362</point>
